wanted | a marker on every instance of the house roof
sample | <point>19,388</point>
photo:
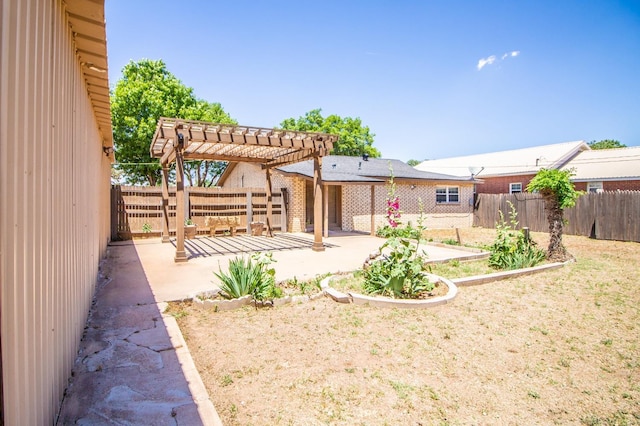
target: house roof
<point>87,22</point>
<point>606,164</point>
<point>338,168</point>
<point>507,163</point>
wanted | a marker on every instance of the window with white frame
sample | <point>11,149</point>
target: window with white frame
<point>447,194</point>
<point>594,186</point>
<point>515,187</point>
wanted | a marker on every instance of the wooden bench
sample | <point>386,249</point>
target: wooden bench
<point>227,222</point>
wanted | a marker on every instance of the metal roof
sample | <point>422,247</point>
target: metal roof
<point>606,164</point>
<point>226,142</point>
<point>507,163</point>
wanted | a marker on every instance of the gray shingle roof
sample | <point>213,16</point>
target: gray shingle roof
<point>338,168</point>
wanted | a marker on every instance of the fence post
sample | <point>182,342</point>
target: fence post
<point>114,212</point>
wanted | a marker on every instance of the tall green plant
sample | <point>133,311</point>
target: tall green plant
<point>511,249</point>
<point>399,273</point>
<point>253,276</point>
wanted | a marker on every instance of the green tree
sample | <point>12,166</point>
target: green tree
<point>146,92</point>
<point>558,193</point>
<point>606,144</point>
<point>413,162</point>
<point>354,138</point>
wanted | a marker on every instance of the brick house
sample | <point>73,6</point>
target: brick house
<point>357,190</point>
<point>607,169</point>
<point>507,171</point>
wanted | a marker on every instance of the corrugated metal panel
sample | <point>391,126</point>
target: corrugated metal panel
<point>54,217</point>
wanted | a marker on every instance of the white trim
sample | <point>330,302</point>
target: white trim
<point>595,186</point>
<point>448,194</point>
<point>511,188</point>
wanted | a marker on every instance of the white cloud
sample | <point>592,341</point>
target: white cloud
<point>491,59</point>
<point>486,61</point>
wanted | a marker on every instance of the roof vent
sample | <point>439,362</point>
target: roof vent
<point>365,156</point>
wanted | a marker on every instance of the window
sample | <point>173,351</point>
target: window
<point>447,194</point>
<point>515,187</point>
<point>594,186</point>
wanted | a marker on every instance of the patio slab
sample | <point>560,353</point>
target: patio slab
<point>345,252</point>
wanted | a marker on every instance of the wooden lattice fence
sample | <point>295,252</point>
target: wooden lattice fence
<point>133,207</point>
<point>603,215</point>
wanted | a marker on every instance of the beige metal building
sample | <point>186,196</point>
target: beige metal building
<point>55,155</point>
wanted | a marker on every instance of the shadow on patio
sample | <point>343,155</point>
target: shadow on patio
<point>205,246</point>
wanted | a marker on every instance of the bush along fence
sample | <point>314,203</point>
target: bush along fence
<point>136,211</point>
<point>602,215</point>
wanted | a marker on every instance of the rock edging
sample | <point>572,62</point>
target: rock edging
<point>383,302</point>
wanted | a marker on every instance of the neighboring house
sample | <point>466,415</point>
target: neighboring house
<point>606,169</point>
<point>357,191</point>
<point>55,141</point>
<point>506,171</point>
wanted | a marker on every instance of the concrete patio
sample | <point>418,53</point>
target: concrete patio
<point>133,366</point>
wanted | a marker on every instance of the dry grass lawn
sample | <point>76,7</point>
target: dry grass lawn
<point>556,348</point>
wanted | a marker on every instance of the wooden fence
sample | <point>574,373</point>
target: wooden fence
<point>134,206</point>
<point>604,215</point>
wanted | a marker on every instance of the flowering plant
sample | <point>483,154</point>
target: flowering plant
<point>393,202</point>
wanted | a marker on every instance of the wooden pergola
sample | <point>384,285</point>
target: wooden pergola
<point>178,140</point>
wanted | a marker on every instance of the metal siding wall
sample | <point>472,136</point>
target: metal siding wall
<point>54,201</point>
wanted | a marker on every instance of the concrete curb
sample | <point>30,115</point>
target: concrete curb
<point>381,302</point>
<point>484,279</point>
<point>206,409</point>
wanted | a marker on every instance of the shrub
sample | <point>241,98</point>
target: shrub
<point>511,249</point>
<point>400,273</point>
<point>252,276</point>
<point>401,232</point>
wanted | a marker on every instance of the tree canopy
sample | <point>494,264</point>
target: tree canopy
<point>146,92</point>
<point>606,144</point>
<point>412,162</point>
<point>354,138</point>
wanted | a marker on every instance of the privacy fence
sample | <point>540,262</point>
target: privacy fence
<point>137,211</point>
<point>604,215</point>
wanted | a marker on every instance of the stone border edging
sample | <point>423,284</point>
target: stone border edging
<point>360,299</point>
<point>497,276</point>
<point>206,409</point>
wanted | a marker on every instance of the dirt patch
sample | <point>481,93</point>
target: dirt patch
<point>556,348</point>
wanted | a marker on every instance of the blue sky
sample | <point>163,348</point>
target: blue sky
<point>432,79</point>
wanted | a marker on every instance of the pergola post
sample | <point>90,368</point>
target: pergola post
<point>269,203</point>
<point>165,203</point>
<point>317,204</point>
<point>373,210</point>
<point>181,255</point>
<point>325,213</point>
